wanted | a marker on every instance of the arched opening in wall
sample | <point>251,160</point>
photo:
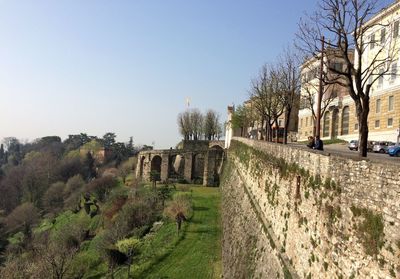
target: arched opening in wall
<point>176,166</point>
<point>141,166</point>
<point>219,155</point>
<point>327,123</point>
<point>198,168</point>
<point>156,164</point>
<point>335,123</point>
<point>345,120</point>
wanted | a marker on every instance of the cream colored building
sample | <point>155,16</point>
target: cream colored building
<point>335,100</point>
<point>340,121</point>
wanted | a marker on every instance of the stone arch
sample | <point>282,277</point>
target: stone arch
<point>141,166</point>
<point>345,120</point>
<point>198,166</point>
<point>156,164</point>
<point>176,166</point>
<point>216,147</point>
<point>326,127</point>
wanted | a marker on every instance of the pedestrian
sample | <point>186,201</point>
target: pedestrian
<point>319,144</point>
<point>310,143</point>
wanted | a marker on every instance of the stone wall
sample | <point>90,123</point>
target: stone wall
<point>329,217</point>
<point>199,163</point>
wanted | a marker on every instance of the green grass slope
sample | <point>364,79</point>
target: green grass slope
<point>198,253</point>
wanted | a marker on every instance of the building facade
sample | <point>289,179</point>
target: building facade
<point>339,120</point>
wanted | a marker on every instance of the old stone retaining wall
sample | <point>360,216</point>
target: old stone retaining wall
<point>310,215</point>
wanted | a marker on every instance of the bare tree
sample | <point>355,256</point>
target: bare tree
<point>267,100</point>
<point>184,124</point>
<point>190,123</point>
<point>289,78</point>
<point>211,123</point>
<point>351,25</point>
<point>311,80</point>
<point>196,120</point>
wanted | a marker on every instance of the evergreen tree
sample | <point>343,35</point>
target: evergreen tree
<point>2,154</point>
<point>90,166</point>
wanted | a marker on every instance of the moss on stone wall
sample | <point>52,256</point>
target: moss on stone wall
<point>370,229</point>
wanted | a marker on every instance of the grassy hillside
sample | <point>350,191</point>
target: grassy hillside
<point>198,253</point>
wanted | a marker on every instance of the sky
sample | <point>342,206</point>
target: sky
<point>72,66</point>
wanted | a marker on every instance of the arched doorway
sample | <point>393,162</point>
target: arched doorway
<point>345,120</point>
<point>198,168</point>
<point>176,166</point>
<point>219,155</point>
<point>156,164</point>
<point>327,124</point>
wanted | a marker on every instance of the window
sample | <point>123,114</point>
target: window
<point>393,73</point>
<point>301,122</point>
<point>391,103</point>
<point>380,80</point>
<point>377,123</point>
<point>356,127</point>
<point>345,120</point>
<point>390,122</point>
<point>396,29</point>
<point>378,106</point>
<point>306,121</point>
<point>370,79</point>
<point>303,103</point>
<point>338,66</point>
<point>383,35</point>
<point>372,41</point>
<point>327,124</point>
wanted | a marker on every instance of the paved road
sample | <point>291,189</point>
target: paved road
<point>343,150</point>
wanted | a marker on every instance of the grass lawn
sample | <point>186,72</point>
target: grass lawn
<point>198,253</point>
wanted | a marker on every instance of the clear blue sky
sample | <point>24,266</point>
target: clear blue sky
<point>71,66</point>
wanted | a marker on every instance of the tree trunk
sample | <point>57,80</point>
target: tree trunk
<point>287,122</point>
<point>362,115</point>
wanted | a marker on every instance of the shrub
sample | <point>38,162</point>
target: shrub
<point>128,246</point>
<point>181,203</point>
<point>74,184</point>
<point>53,199</point>
<point>23,216</point>
<point>101,187</point>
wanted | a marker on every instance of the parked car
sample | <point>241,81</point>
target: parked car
<point>382,146</point>
<point>353,145</point>
<point>370,145</point>
<point>394,150</point>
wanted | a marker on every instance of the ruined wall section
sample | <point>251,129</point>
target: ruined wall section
<point>332,217</point>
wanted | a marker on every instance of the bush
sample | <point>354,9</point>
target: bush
<point>52,199</point>
<point>128,246</point>
<point>23,216</point>
<point>132,216</point>
<point>181,203</point>
<point>101,187</point>
<point>75,183</point>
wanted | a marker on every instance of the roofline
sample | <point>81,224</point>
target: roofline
<point>383,12</point>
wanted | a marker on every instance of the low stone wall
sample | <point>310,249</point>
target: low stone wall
<point>332,217</point>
